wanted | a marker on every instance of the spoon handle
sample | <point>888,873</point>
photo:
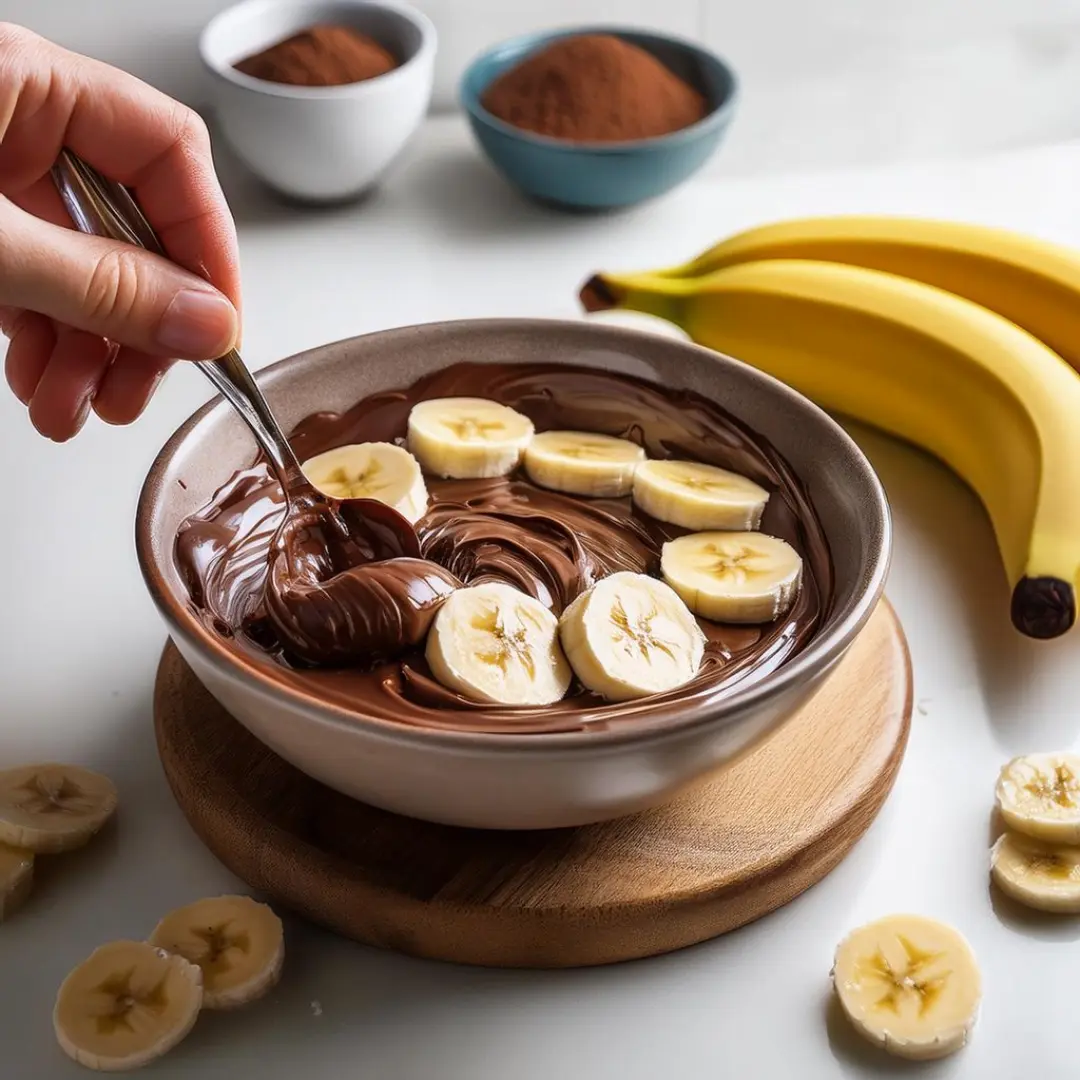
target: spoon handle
<point>103,207</point>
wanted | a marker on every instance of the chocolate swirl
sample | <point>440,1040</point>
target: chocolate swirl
<point>369,622</point>
<point>355,601</point>
<point>549,545</point>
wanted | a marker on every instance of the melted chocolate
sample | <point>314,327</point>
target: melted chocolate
<point>355,639</point>
<point>353,597</point>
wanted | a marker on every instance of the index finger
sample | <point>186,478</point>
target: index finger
<point>130,132</point>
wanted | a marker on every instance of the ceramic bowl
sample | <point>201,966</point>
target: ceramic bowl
<point>319,143</point>
<point>505,781</point>
<point>601,176</point>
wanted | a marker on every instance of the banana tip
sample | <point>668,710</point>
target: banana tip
<point>1043,607</point>
<point>597,295</point>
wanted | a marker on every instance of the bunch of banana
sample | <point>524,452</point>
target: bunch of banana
<point>955,337</point>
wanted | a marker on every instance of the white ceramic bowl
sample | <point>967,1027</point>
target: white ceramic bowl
<point>319,143</point>
<point>511,781</point>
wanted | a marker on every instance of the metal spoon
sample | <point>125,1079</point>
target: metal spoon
<point>103,207</point>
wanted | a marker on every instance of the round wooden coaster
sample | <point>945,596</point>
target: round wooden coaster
<point>731,850</point>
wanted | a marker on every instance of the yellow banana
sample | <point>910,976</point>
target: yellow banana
<point>1034,283</point>
<point>983,395</point>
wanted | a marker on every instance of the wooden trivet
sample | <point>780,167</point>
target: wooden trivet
<point>735,848</point>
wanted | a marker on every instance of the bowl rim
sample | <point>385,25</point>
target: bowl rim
<point>423,55</point>
<point>721,114</point>
<point>825,648</point>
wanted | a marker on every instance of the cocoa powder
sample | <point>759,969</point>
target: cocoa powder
<point>594,88</point>
<point>320,56</point>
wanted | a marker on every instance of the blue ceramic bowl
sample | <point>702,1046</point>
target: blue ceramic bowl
<point>601,176</point>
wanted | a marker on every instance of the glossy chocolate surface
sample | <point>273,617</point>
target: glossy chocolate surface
<point>356,638</point>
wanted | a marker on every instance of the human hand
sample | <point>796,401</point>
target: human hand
<point>93,323</point>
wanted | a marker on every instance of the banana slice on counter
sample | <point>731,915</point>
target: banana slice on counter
<point>1039,794</point>
<point>16,878</point>
<point>375,470</point>
<point>462,438</point>
<point>1038,874</point>
<point>910,984</point>
<point>125,1005</point>
<point>492,643</point>
<point>51,808</point>
<point>583,463</point>
<point>697,496</point>
<point>629,636</point>
<point>733,577</point>
<point>237,942</point>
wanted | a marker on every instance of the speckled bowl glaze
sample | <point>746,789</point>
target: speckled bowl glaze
<point>506,781</point>
<point>587,177</point>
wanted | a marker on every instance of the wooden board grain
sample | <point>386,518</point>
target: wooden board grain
<point>735,848</point>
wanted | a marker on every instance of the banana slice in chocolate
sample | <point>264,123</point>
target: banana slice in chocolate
<point>462,438</point>
<point>583,463</point>
<point>733,577</point>
<point>492,643</point>
<point>698,496</point>
<point>375,470</point>
<point>630,636</point>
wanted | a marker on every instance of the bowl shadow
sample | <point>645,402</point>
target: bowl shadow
<point>1010,667</point>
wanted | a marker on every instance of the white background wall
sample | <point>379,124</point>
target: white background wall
<point>826,82</point>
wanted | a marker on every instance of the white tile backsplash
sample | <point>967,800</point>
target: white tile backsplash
<point>862,82</point>
<point>825,82</point>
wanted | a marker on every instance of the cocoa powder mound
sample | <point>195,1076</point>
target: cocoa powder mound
<point>594,88</point>
<point>320,56</point>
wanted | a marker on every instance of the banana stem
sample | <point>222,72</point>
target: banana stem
<point>597,295</point>
<point>647,293</point>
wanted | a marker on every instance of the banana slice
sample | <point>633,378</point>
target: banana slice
<point>51,808</point>
<point>909,984</point>
<point>375,470</point>
<point>494,644</point>
<point>1039,794</point>
<point>125,1005</point>
<point>697,496</point>
<point>461,438</point>
<point>733,577</point>
<point>238,942</point>
<point>1040,875</point>
<point>583,463</point>
<point>16,879</point>
<point>630,636</point>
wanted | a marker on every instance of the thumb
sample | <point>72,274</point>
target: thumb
<point>119,291</point>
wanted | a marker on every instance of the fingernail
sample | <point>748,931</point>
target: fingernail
<point>197,325</point>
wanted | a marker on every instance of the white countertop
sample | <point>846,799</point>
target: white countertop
<point>80,642</point>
